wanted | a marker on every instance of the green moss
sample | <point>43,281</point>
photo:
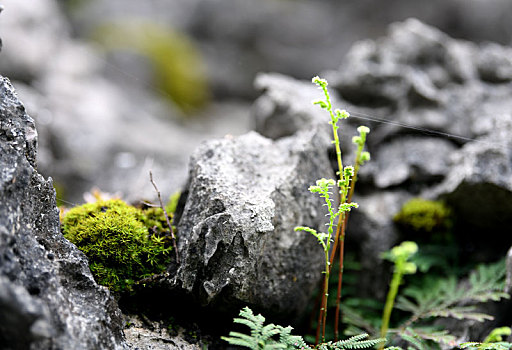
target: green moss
<point>173,202</point>
<point>179,72</point>
<point>124,244</point>
<point>424,216</point>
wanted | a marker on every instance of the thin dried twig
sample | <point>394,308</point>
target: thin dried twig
<point>166,217</point>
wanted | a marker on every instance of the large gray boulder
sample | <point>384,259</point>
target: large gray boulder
<point>237,240</point>
<point>48,297</point>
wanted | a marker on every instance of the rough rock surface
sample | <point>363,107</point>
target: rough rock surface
<point>237,241</point>
<point>409,160</point>
<point>48,297</point>
<point>146,334</point>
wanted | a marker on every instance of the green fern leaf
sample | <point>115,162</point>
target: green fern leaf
<point>355,342</point>
<point>461,313</point>
<point>240,339</point>
<point>441,337</point>
<point>442,298</point>
<point>413,341</point>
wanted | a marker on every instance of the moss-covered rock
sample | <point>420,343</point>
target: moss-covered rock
<point>124,244</point>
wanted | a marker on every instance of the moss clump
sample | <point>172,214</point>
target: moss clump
<point>424,216</point>
<point>124,244</point>
<point>179,70</point>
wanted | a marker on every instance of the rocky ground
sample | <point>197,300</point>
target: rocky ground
<point>440,115</point>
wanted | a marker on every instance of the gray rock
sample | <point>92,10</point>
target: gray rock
<point>24,320</point>
<point>286,106</point>
<point>32,32</point>
<point>147,334</point>
<point>53,301</point>
<point>424,80</point>
<point>237,240</point>
<point>479,188</point>
<point>410,160</point>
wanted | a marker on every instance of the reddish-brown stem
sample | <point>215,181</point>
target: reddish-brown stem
<point>342,249</point>
<point>340,279</point>
<point>319,325</point>
<point>336,239</point>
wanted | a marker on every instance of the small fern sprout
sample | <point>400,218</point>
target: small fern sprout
<point>399,255</point>
<point>360,141</point>
<point>497,334</point>
<point>342,114</point>
<point>493,341</point>
<point>365,157</point>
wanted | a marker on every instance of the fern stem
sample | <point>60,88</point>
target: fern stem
<point>338,294</point>
<point>325,295</point>
<point>390,300</point>
<point>344,222</point>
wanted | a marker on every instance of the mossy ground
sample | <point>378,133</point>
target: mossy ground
<point>123,244</point>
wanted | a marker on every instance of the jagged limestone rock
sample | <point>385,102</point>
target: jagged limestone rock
<point>48,297</point>
<point>237,240</point>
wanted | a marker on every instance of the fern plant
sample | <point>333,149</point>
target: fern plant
<point>262,336</point>
<point>273,336</point>
<point>345,185</point>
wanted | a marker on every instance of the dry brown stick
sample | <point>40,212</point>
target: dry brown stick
<point>166,217</point>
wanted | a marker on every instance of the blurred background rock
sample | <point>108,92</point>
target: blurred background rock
<point>119,87</point>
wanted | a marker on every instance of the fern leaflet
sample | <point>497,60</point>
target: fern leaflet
<point>442,298</point>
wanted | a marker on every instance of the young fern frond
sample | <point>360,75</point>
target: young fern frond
<point>486,346</point>
<point>492,342</point>
<point>263,337</point>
